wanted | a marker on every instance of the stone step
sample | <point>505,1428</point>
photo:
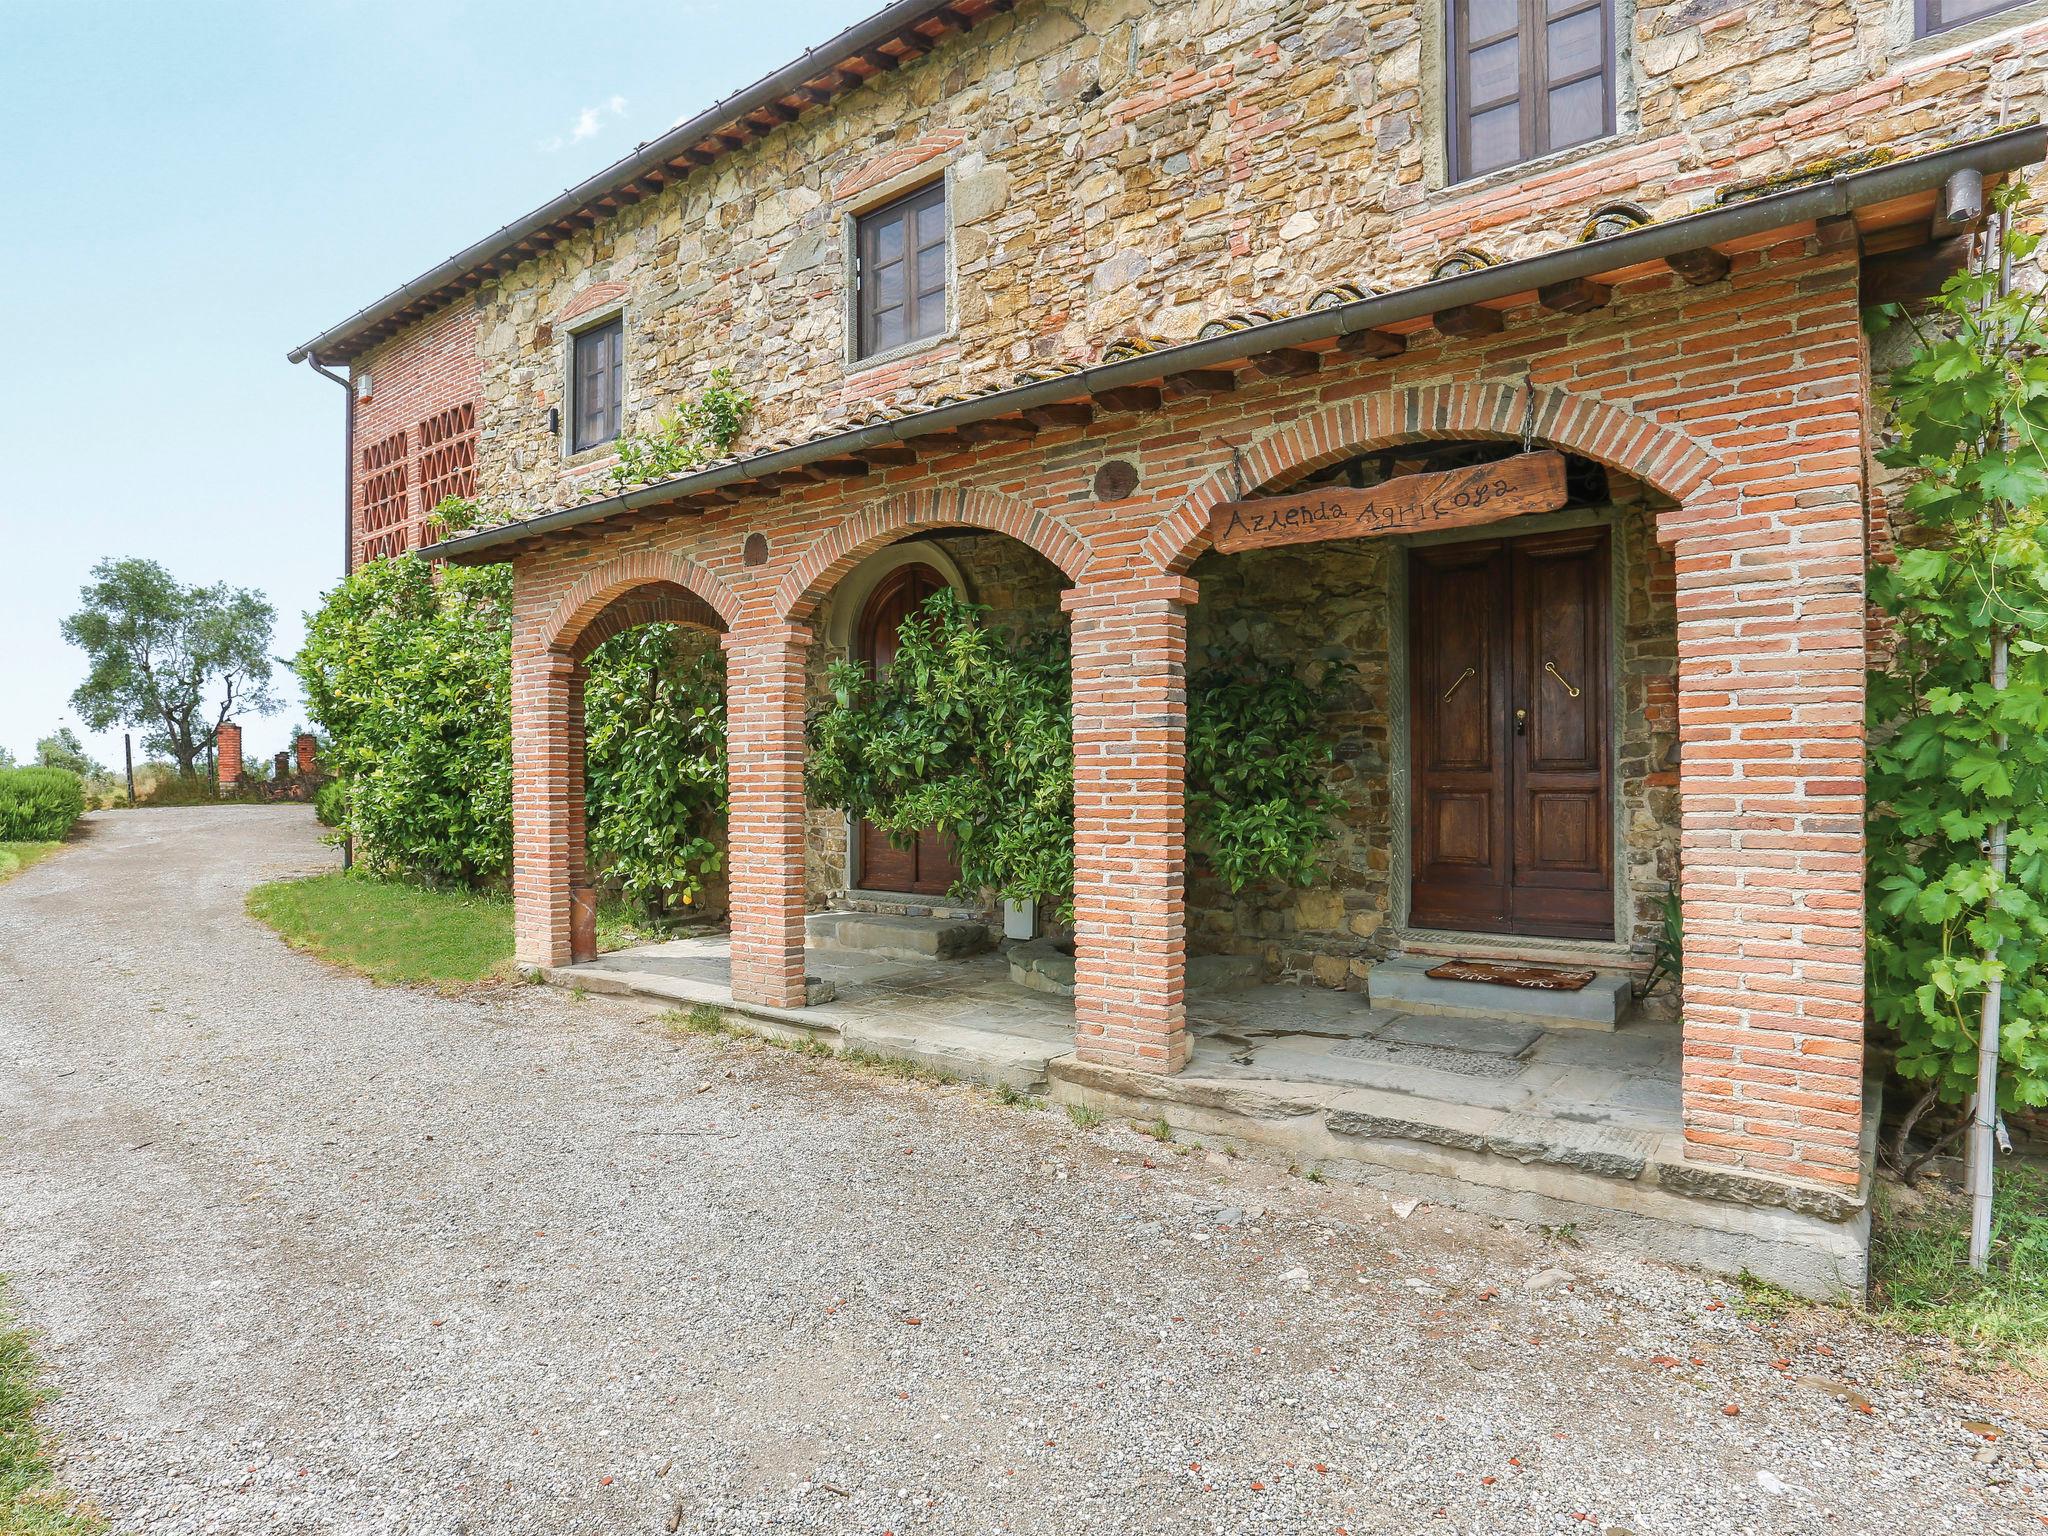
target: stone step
<point>900,904</point>
<point>896,936</point>
<point>1404,985</point>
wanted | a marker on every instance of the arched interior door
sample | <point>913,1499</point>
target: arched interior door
<point>926,866</point>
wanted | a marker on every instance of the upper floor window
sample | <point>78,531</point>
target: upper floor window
<point>597,378</point>
<point>1940,15</point>
<point>1528,77</point>
<point>900,271</point>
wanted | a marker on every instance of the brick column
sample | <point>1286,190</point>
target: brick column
<point>1770,698</point>
<point>1130,834</point>
<point>547,803</point>
<point>305,750</point>
<point>227,756</point>
<point>764,691</point>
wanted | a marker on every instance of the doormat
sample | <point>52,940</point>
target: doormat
<point>1536,978</point>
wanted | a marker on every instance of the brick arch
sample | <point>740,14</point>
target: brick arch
<point>844,546</point>
<point>644,588</point>
<point>1669,460</point>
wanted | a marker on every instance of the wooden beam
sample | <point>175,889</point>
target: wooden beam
<point>1701,267</point>
<point>838,469</point>
<point>1906,277</point>
<point>781,111</point>
<point>940,442</point>
<point>1287,363</point>
<point>1198,381</point>
<point>1062,413</point>
<point>1373,344</point>
<point>1132,397</point>
<point>998,431</point>
<point>952,20</point>
<point>1574,296</point>
<point>1468,320</point>
<point>881,60</point>
<point>914,40</point>
<point>889,454</point>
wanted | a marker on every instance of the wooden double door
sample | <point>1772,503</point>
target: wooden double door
<point>1511,790</point>
<point>925,866</point>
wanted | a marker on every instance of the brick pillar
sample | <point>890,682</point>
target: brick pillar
<point>1770,698</point>
<point>764,691</point>
<point>1130,834</point>
<point>547,802</point>
<point>227,754</point>
<point>307,761</point>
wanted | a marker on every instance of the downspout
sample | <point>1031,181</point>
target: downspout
<point>348,463</point>
<point>348,503</point>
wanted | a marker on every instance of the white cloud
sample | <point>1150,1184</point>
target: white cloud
<point>590,122</point>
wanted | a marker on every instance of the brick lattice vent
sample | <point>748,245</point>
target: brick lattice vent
<point>447,458</point>
<point>385,503</point>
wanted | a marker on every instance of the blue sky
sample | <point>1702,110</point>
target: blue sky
<point>190,187</point>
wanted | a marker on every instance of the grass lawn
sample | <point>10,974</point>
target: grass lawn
<point>1921,1283</point>
<point>29,1506</point>
<point>15,857</point>
<point>401,934</point>
<point>392,932</point>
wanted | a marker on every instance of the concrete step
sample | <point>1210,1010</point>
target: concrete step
<point>1403,985</point>
<point>896,936</point>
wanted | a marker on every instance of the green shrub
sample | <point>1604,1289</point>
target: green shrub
<point>654,753</point>
<point>39,805</point>
<point>410,678</point>
<point>330,803</point>
<point>1259,799</point>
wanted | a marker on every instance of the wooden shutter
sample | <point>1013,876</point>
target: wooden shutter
<point>1528,77</point>
<point>901,292</point>
<point>1940,15</point>
<point>599,378</point>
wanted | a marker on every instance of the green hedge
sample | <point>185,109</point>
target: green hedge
<point>38,805</point>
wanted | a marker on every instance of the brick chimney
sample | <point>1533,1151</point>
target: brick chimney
<point>227,752</point>
<point>307,763</point>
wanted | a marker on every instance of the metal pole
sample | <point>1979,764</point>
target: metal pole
<point>128,751</point>
<point>1984,1127</point>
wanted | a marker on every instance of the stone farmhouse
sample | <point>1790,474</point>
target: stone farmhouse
<point>1505,351</point>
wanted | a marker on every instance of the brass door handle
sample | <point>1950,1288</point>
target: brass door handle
<point>1521,722</point>
<point>1457,684</point>
<point>1551,668</point>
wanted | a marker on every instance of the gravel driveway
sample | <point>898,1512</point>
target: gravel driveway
<point>306,1255</point>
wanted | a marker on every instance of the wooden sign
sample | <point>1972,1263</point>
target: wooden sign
<point>1456,498</point>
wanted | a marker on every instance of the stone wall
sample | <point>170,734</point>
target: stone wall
<point>1317,605</point>
<point>1123,166</point>
<point>1334,603</point>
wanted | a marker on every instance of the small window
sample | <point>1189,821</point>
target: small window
<point>900,276</point>
<point>598,377</point>
<point>1940,15</point>
<point>1528,77</point>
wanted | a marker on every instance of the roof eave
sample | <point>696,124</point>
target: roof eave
<point>336,343</point>
<point>1836,197</point>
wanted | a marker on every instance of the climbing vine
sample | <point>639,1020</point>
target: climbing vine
<point>1954,756</point>
<point>971,731</point>
<point>655,764</point>
<point>706,427</point>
